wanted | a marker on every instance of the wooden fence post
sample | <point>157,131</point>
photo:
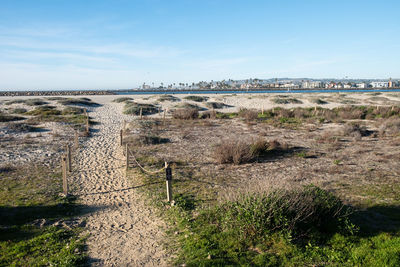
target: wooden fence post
<point>262,109</point>
<point>120,137</point>
<point>76,140</point>
<point>141,113</point>
<point>64,175</point>
<point>168,176</point>
<point>87,125</point>
<point>164,118</point>
<point>127,156</point>
<point>69,159</point>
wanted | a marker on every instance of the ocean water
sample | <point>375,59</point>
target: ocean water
<point>252,92</point>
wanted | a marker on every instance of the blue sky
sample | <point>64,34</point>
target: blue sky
<point>97,44</point>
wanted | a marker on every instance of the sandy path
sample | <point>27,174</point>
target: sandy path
<point>124,232</point>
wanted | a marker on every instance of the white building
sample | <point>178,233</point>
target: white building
<point>361,85</point>
<point>379,84</point>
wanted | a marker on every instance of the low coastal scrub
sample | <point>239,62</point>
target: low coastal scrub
<point>248,114</point>
<point>29,102</point>
<point>196,98</point>
<point>239,152</point>
<point>288,100</point>
<point>21,127</point>
<point>189,106</point>
<point>6,117</point>
<point>215,105</point>
<point>185,114</point>
<point>83,101</point>
<point>170,98</point>
<point>122,99</point>
<point>132,108</point>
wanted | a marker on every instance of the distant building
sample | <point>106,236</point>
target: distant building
<point>361,85</point>
<point>310,84</point>
<point>379,84</point>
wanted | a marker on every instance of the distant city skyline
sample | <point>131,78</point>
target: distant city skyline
<point>103,44</point>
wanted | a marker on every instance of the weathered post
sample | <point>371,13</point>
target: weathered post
<point>120,137</point>
<point>164,118</point>
<point>87,125</point>
<point>141,113</point>
<point>168,176</point>
<point>76,140</point>
<point>69,158</point>
<point>64,175</point>
<point>127,156</point>
<point>262,109</point>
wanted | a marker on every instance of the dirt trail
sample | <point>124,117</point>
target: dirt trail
<point>123,230</point>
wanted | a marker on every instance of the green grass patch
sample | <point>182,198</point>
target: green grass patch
<point>29,194</point>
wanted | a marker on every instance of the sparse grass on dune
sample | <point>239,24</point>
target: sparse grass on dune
<point>78,102</point>
<point>122,99</point>
<point>186,105</point>
<point>196,98</point>
<point>132,108</point>
<point>170,98</point>
<point>29,102</point>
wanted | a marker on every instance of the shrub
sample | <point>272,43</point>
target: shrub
<point>210,114</point>
<point>233,151</point>
<point>44,111</point>
<point>215,105</point>
<point>196,98</point>
<point>6,117</point>
<point>318,101</point>
<point>248,114</point>
<point>354,130</point>
<point>305,212</point>
<point>122,99</point>
<point>21,127</point>
<point>132,108</point>
<point>189,106</point>
<point>171,98</point>
<point>83,101</point>
<point>73,111</point>
<point>279,100</point>
<point>146,139</point>
<point>18,110</point>
<point>35,102</point>
<point>390,127</point>
<point>185,114</point>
